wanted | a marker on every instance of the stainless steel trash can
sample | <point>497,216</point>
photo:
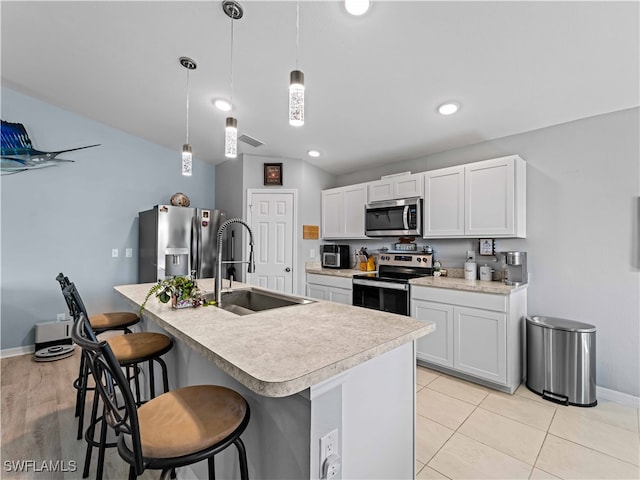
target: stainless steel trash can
<point>561,360</point>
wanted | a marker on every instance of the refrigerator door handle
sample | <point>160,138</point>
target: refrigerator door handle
<point>195,247</point>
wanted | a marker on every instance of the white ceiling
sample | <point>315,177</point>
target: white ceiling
<point>372,83</point>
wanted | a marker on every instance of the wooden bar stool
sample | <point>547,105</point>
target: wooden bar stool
<point>100,323</point>
<point>175,429</point>
<point>130,351</point>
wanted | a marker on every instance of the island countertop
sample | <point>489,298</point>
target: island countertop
<point>282,351</point>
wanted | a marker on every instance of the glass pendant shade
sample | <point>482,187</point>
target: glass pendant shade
<point>231,138</point>
<point>296,99</point>
<point>187,160</point>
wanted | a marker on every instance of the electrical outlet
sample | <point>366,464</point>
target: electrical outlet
<point>312,253</point>
<point>61,317</point>
<point>128,252</point>
<point>114,252</point>
<point>328,447</point>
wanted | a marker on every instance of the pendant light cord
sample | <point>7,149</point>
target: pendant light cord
<point>231,59</point>
<point>297,30</point>
<point>187,106</point>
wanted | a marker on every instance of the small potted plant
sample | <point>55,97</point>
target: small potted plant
<point>183,292</point>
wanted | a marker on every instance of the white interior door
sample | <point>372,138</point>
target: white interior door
<point>271,217</point>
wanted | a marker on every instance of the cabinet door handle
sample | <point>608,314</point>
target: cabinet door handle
<point>287,269</point>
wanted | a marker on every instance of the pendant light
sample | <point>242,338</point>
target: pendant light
<point>234,12</point>
<point>187,156</point>
<point>296,84</point>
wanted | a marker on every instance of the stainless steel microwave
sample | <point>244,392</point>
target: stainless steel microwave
<point>394,218</point>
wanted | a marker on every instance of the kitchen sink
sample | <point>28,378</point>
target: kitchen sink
<point>250,300</point>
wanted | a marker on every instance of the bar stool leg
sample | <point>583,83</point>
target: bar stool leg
<point>89,437</point>
<point>242,454</point>
<point>212,467</point>
<point>81,396</point>
<point>152,381</point>
<point>165,376</point>
<point>103,443</point>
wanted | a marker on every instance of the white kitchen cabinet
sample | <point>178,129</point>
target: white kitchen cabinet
<point>481,199</point>
<point>480,343</point>
<point>437,347</point>
<point>395,187</point>
<point>343,212</point>
<point>495,198</point>
<point>479,336</point>
<point>330,288</point>
<point>444,202</point>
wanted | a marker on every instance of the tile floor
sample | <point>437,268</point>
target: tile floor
<point>467,431</point>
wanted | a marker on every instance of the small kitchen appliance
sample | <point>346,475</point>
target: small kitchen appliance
<point>388,288</point>
<point>335,256</point>
<point>516,266</point>
<point>394,218</point>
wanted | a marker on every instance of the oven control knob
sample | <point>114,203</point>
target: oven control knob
<point>419,259</point>
<point>424,259</point>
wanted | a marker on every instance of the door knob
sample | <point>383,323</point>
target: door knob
<point>287,269</point>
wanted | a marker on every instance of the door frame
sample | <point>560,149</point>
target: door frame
<point>294,241</point>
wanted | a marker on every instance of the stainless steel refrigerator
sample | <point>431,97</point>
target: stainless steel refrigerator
<point>177,241</point>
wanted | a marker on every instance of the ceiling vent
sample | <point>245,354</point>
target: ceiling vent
<point>254,142</point>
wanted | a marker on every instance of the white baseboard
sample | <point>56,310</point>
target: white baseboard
<point>14,352</point>
<point>618,397</point>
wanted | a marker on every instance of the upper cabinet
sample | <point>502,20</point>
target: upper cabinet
<point>444,202</point>
<point>479,199</point>
<point>343,212</point>
<point>394,187</point>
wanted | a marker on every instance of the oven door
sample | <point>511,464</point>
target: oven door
<point>377,295</point>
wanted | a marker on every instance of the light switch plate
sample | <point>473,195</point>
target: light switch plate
<point>114,252</point>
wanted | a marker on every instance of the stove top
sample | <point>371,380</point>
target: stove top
<point>400,267</point>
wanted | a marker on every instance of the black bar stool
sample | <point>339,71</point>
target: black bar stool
<point>100,323</point>
<point>178,428</point>
<point>129,350</point>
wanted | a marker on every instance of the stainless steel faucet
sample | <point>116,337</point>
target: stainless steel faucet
<point>218,273</point>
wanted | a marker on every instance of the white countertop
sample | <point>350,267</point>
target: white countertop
<point>438,282</point>
<point>481,286</point>
<point>283,351</point>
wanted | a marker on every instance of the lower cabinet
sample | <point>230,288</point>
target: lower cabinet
<point>477,336</point>
<point>331,288</point>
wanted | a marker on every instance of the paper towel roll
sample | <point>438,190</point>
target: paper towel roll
<point>470,270</point>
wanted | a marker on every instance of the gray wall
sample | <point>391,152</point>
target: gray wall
<point>583,198</point>
<point>68,218</point>
<point>308,180</point>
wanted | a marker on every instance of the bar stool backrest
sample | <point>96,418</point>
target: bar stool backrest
<point>77,308</point>
<point>112,386</point>
<point>64,282</point>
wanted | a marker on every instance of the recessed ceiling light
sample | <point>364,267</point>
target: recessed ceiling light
<point>222,104</point>
<point>356,7</point>
<point>313,153</point>
<point>448,108</point>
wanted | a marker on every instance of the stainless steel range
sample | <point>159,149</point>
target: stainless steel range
<point>388,288</point>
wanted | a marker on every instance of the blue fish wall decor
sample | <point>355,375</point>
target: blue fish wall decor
<point>18,154</point>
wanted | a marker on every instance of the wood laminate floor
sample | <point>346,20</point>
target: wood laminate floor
<point>39,426</point>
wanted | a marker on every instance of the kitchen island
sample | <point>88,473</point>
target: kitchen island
<point>305,370</point>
